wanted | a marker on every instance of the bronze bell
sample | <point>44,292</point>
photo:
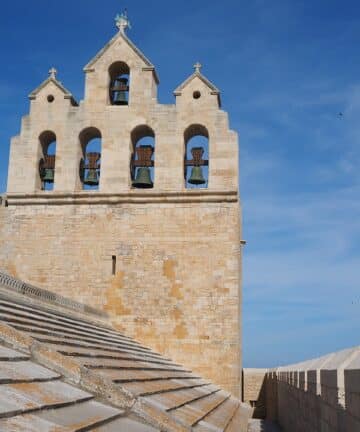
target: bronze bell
<point>47,168</point>
<point>119,92</point>
<point>196,176</point>
<point>143,179</point>
<point>92,178</point>
<point>48,175</point>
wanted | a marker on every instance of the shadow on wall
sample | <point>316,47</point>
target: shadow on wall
<point>255,394</point>
<point>254,391</point>
<point>259,406</point>
<point>257,425</point>
<point>3,202</point>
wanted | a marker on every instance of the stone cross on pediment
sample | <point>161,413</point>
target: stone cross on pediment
<point>53,72</point>
<point>197,67</point>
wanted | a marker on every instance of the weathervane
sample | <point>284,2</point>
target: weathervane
<point>122,21</point>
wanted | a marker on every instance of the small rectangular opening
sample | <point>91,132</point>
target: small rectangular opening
<point>113,258</point>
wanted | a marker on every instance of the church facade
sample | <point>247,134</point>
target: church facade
<point>112,202</point>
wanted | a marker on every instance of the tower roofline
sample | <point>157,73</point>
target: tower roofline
<point>198,74</point>
<point>52,78</point>
<point>149,66</point>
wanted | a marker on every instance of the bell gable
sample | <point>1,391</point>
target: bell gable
<point>197,92</point>
<point>51,89</point>
<point>142,76</point>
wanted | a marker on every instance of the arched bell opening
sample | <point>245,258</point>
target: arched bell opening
<point>90,163</point>
<point>142,158</point>
<point>47,160</point>
<point>119,74</point>
<point>196,158</point>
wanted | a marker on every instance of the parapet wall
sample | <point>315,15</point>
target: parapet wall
<point>11,287</point>
<point>320,395</point>
<point>254,390</point>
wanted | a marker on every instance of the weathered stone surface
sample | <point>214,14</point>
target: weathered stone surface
<point>321,394</point>
<point>120,373</point>
<point>177,281</point>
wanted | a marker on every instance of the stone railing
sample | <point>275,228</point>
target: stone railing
<point>15,285</point>
<point>319,395</point>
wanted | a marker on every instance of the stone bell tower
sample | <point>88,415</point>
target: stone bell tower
<point>133,207</point>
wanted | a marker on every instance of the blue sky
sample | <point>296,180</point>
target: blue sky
<point>286,69</point>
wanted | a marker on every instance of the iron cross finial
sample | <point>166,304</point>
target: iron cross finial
<point>197,67</point>
<point>52,73</point>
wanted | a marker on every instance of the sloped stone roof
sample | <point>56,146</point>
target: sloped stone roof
<point>64,366</point>
<point>34,398</point>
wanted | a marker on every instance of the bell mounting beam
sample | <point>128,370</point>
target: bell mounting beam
<point>144,155</point>
<point>197,160</point>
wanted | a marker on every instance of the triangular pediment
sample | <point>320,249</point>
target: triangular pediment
<point>58,84</point>
<point>121,36</point>
<point>196,74</point>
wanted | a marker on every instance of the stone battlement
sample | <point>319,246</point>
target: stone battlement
<point>321,394</point>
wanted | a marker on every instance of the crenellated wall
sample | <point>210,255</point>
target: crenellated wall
<point>319,395</point>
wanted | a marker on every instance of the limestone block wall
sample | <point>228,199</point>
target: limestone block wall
<point>164,262</point>
<point>176,282</point>
<point>320,395</point>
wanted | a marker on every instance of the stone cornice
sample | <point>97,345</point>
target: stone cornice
<point>136,197</point>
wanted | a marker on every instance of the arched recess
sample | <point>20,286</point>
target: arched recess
<point>142,163</point>
<point>196,158</point>
<point>119,83</point>
<point>90,163</point>
<point>47,162</point>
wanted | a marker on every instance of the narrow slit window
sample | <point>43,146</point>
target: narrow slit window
<point>113,270</point>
